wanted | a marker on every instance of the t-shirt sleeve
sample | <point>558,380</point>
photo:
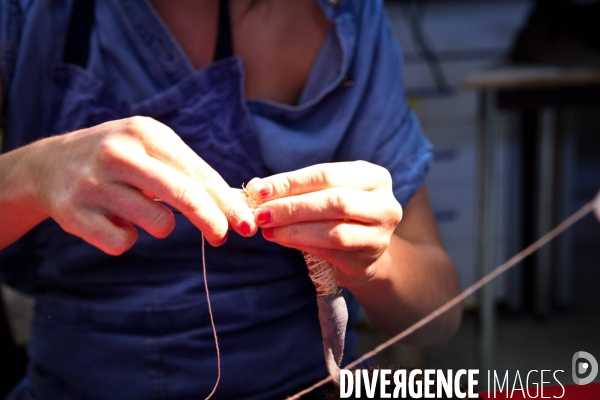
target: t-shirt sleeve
<point>384,131</point>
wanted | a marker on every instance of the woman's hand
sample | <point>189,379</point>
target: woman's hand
<point>346,214</point>
<point>98,183</point>
<point>343,212</point>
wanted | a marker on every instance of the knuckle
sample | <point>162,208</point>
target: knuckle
<point>142,127</point>
<point>377,174</point>
<point>191,199</point>
<point>198,173</point>
<point>383,175</point>
<point>362,164</point>
<point>183,193</point>
<point>338,237</point>
<point>290,208</point>
<point>106,147</point>
<point>62,209</point>
<point>187,198</point>
<point>110,152</point>
<point>88,187</point>
<point>119,243</point>
<point>327,176</point>
<point>397,214</point>
<point>162,222</point>
<point>232,213</point>
<point>290,235</point>
<point>339,203</point>
<point>284,186</point>
<point>394,213</point>
<point>364,167</point>
<point>138,124</point>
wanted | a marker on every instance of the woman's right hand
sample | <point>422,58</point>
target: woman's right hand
<point>97,183</point>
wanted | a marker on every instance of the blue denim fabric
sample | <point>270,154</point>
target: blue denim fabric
<point>136,326</point>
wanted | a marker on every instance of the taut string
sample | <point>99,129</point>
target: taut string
<point>594,205</point>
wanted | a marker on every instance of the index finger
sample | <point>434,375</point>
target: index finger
<point>353,174</point>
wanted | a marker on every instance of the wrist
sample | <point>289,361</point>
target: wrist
<point>24,182</point>
<point>377,271</point>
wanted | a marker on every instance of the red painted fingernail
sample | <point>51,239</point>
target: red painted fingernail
<point>222,242</point>
<point>245,228</point>
<point>264,216</point>
<point>266,190</point>
<point>268,233</point>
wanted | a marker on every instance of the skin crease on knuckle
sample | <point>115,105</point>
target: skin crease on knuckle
<point>339,238</point>
<point>149,133</point>
<point>328,176</point>
<point>284,186</point>
<point>159,221</point>
<point>187,195</point>
<point>120,241</point>
<point>339,203</point>
<point>163,222</point>
<point>110,151</point>
<point>294,208</point>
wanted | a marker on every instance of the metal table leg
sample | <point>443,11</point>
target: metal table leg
<point>545,210</point>
<point>567,155</point>
<point>487,205</point>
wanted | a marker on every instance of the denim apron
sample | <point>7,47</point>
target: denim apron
<point>137,326</point>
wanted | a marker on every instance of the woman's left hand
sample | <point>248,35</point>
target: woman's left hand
<point>342,212</point>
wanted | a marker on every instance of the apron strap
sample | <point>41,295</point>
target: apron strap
<point>77,46</point>
<point>224,47</point>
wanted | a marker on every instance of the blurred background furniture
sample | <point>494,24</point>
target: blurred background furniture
<point>445,42</point>
<point>544,93</point>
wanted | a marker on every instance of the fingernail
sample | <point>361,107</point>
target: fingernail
<point>268,233</point>
<point>245,228</point>
<point>265,190</point>
<point>222,242</point>
<point>264,216</point>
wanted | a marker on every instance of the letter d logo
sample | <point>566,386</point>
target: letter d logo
<point>590,365</point>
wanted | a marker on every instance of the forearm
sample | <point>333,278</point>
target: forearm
<point>19,210</point>
<point>411,280</point>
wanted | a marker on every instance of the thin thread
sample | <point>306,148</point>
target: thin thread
<point>319,270</point>
<point>321,274</point>
<point>586,209</point>
<point>212,321</point>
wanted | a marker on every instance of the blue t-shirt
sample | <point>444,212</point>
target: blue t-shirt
<point>145,305</point>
